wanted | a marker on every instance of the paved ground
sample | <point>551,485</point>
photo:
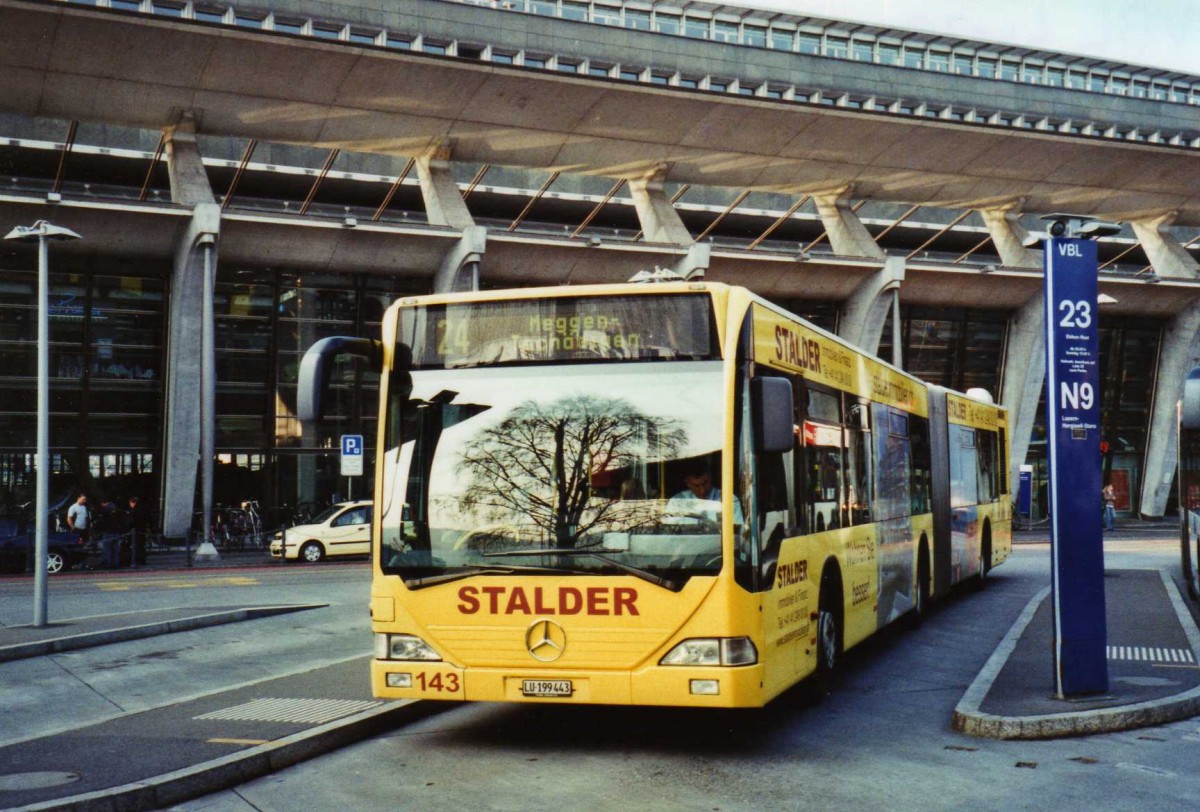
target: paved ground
<point>1153,673</point>
<point>199,746</point>
<point>18,642</point>
<point>152,759</point>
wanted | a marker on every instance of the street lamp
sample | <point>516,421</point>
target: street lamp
<point>42,232</point>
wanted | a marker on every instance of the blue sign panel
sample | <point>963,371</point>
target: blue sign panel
<point>1025,491</point>
<point>1073,440</point>
<point>352,455</point>
<point>352,445</point>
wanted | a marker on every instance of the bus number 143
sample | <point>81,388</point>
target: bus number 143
<point>437,682</point>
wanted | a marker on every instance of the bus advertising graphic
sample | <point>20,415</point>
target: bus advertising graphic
<point>1073,435</point>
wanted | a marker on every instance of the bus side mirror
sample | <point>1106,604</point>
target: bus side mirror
<point>317,365</point>
<point>1189,408</point>
<point>773,415</point>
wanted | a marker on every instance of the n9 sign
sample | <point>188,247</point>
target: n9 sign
<point>1073,440</point>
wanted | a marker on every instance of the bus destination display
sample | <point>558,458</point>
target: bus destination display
<point>624,328</point>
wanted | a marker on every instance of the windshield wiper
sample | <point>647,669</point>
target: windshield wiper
<point>599,554</point>
<point>469,572</point>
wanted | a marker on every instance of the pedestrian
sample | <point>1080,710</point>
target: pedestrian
<point>77,518</point>
<point>138,524</point>
<point>1109,495</point>
<point>103,526</point>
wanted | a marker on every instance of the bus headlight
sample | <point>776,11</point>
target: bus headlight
<point>403,647</point>
<point>713,651</point>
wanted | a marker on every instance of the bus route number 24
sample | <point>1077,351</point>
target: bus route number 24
<point>442,683</point>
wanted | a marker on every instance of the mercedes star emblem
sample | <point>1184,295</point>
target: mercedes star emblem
<point>545,640</point>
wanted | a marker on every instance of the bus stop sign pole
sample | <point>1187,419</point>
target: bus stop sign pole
<point>1073,445</point>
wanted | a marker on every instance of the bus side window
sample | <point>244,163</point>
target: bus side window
<point>893,468</point>
<point>964,467</point>
<point>857,509</point>
<point>1002,456</point>
<point>918,437</point>
<point>986,457</point>
<point>823,475</point>
<point>800,475</point>
<point>824,442</point>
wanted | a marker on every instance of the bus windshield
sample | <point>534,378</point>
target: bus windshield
<point>598,469</point>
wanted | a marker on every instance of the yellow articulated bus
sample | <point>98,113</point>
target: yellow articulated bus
<point>656,494</point>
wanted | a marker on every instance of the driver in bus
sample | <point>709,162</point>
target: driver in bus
<point>700,498</point>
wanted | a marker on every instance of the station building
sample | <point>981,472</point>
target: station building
<point>325,158</point>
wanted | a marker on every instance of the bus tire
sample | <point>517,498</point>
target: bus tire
<point>924,586</point>
<point>312,552</point>
<point>985,557</point>
<point>829,629</point>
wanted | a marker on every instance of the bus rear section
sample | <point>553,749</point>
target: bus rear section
<point>972,511</point>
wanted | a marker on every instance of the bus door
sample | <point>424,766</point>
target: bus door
<point>939,491</point>
<point>893,506</point>
<point>781,579</point>
<point>1189,482</point>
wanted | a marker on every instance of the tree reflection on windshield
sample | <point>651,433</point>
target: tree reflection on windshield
<point>537,466</point>
<point>557,460</point>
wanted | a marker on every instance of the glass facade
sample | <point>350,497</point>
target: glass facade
<point>108,335</point>
<point>105,367</point>
<point>951,346</point>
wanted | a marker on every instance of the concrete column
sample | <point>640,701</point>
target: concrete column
<point>189,180</point>
<point>1180,351</point>
<point>1010,237</point>
<point>188,400</point>
<point>460,267</point>
<point>660,222</point>
<point>444,204</point>
<point>185,325</point>
<point>694,263</point>
<point>1025,351</point>
<point>1024,378</point>
<point>867,308</point>
<point>1168,258</point>
<point>847,234</point>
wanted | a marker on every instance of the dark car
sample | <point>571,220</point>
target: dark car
<point>16,542</point>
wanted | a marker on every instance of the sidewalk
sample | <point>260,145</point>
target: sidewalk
<point>1153,668</point>
<point>1165,528</point>
<point>166,755</point>
<point>19,642</point>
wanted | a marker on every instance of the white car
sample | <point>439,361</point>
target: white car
<point>342,529</point>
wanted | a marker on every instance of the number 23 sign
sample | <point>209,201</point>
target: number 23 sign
<point>1073,435</point>
<point>1072,343</point>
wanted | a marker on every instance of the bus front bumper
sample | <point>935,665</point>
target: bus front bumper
<point>739,687</point>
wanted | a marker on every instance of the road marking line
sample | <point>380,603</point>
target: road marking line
<point>239,741</point>
<point>1151,654</point>
<point>275,709</point>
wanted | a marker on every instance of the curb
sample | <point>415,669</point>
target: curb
<point>238,768</point>
<point>55,645</point>
<point>968,719</point>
